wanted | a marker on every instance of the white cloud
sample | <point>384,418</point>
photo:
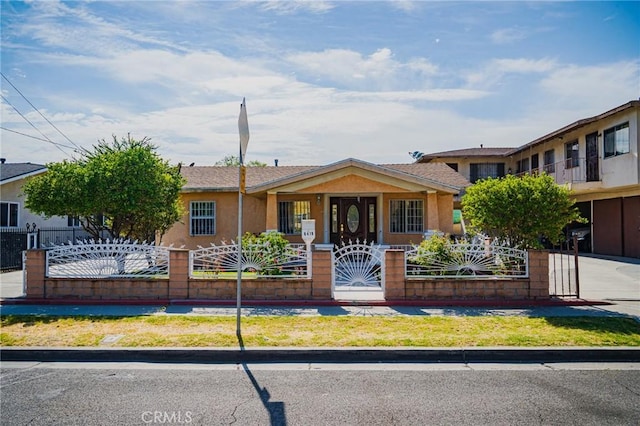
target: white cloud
<point>294,6</point>
<point>605,84</point>
<point>492,73</point>
<point>507,35</point>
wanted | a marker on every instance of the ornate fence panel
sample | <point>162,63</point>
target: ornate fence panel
<point>262,259</point>
<point>467,260</point>
<point>358,265</point>
<point>107,259</point>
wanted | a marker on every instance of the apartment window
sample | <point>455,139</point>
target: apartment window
<point>291,214</point>
<point>535,163</point>
<point>550,161</point>
<point>407,216</point>
<point>522,166</point>
<point>454,166</point>
<point>8,215</point>
<point>616,140</point>
<point>571,154</point>
<point>73,221</point>
<point>484,170</point>
<point>203,217</point>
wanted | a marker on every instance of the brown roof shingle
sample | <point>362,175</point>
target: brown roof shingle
<point>223,178</point>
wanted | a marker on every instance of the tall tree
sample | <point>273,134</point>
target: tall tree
<point>520,210</point>
<point>123,187</point>
<point>234,161</point>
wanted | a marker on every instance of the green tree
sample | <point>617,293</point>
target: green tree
<point>123,187</point>
<point>520,210</point>
<point>234,161</point>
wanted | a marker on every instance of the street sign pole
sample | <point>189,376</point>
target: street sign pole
<point>243,129</point>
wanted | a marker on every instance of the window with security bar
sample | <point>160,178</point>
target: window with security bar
<point>291,214</point>
<point>203,217</point>
<point>407,216</point>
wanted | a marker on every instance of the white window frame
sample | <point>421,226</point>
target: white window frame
<point>7,205</point>
<point>409,220</point>
<point>74,221</point>
<point>299,209</point>
<point>198,211</point>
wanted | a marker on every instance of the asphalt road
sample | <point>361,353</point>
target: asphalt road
<point>304,394</point>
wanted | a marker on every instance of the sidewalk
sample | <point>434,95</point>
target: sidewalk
<point>609,288</point>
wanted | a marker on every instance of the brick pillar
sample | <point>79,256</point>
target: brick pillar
<point>178,274</point>
<point>538,274</point>
<point>394,274</point>
<point>322,270</point>
<point>35,265</point>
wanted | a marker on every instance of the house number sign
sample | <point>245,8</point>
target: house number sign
<point>308,230</point>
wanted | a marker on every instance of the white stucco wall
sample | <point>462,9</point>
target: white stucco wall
<point>12,192</point>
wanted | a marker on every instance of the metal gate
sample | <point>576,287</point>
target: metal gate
<point>12,243</point>
<point>358,265</point>
<point>564,275</point>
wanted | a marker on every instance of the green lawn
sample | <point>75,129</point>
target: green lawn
<point>347,331</point>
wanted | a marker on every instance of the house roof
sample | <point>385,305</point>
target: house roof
<point>10,172</point>
<point>258,179</point>
<point>467,152</point>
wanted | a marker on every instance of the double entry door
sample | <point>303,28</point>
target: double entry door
<point>353,219</point>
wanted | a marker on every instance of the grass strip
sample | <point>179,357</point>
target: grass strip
<point>319,331</point>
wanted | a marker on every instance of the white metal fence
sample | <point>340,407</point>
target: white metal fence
<point>104,259</point>
<point>262,259</point>
<point>467,260</point>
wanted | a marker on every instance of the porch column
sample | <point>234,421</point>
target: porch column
<point>433,216</point>
<point>272,211</point>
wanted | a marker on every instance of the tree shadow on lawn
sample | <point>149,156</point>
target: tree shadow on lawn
<point>614,325</point>
<point>30,320</point>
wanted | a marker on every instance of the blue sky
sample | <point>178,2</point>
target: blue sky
<point>324,81</point>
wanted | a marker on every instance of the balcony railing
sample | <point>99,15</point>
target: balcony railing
<point>567,171</point>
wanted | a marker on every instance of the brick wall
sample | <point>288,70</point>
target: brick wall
<point>534,287</point>
<point>180,286</point>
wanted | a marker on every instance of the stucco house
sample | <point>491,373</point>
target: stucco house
<point>350,200</point>
<point>13,176</point>
<point>596,157</point>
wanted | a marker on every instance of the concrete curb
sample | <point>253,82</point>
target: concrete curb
<point>324,355</point>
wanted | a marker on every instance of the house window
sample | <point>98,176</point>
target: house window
<point>407,216</point>
<point>485,170</point>
<point>616,140</point>
<point>291,214</point>
<point>549,161</point>
<point>522,166</point>
<point>8,214</point>
<point>571,154</point>
<point>73,221</point>
<point>203,217</point>
<point>454,166</point>
<point>535,163</point>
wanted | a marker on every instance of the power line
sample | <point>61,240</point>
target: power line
<point>38,111</point>
<point>35,137</point>
<point>32,125</point>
